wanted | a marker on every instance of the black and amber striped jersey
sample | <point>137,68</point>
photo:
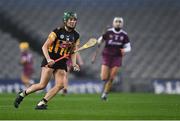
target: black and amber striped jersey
<point>64,43</point>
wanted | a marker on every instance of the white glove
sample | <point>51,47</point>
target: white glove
<point>50,62</point>
<point>76,67</point>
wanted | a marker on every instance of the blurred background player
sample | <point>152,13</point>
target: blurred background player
<point>60,42</point>
<point>26,60</point>
<point>117,43</point>
<point>69,69</point>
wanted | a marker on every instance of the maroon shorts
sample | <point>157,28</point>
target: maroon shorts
<point>111,61</point>
<point>28,72</point>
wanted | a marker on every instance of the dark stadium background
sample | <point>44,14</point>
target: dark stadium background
<point>152,25</point>
<point>148,84</point>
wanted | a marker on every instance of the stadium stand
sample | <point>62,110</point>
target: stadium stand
<point>10,58</point>
<point>153,27</point>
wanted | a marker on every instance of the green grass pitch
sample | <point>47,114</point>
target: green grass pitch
<point>89,106</point>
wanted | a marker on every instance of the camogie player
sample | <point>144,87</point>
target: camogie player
<point>27,63</point>
<point>117,43</point>
<point>61,41</point>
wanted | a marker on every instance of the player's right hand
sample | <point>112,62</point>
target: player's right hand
<point>76,67</point>
<point>50,62</point>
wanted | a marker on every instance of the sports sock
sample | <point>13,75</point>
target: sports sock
<point>23,94</point>
<point>108,86</point>
<point>104,94</point>
<point>64,91</point>
<point>42,102</point>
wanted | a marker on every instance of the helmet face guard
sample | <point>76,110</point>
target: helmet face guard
<point>68,15</point>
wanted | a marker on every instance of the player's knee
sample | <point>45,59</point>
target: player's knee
<point>104,77</point>
<point>59,87</point>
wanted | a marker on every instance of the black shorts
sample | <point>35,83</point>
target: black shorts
<point>58,65</point>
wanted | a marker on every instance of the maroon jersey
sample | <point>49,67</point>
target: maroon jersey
<point>28,65</point>
<point>114,41</point>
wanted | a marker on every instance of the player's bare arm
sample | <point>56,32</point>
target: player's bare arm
<point>99,42</point>
<point>51,38</point>
<point>73,57</point>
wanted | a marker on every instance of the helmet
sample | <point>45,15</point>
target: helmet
<point>24,45</point>
<point>120,19</point>
<point>68,15</point>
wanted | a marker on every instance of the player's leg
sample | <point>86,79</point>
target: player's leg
<point>114,65</point>
<point>46,74</point>
<point>25,80</point>
<point>45,77</point>
<point>65,84</point>
<point>60,76</point>
<point>113,73</point>
<point>105,70</point>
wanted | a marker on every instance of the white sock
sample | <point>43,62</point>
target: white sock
<point>22,94</point>
<point>41,103</point>
<point>104,94</point>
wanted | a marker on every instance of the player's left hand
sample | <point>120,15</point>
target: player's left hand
<point>76,67</point>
